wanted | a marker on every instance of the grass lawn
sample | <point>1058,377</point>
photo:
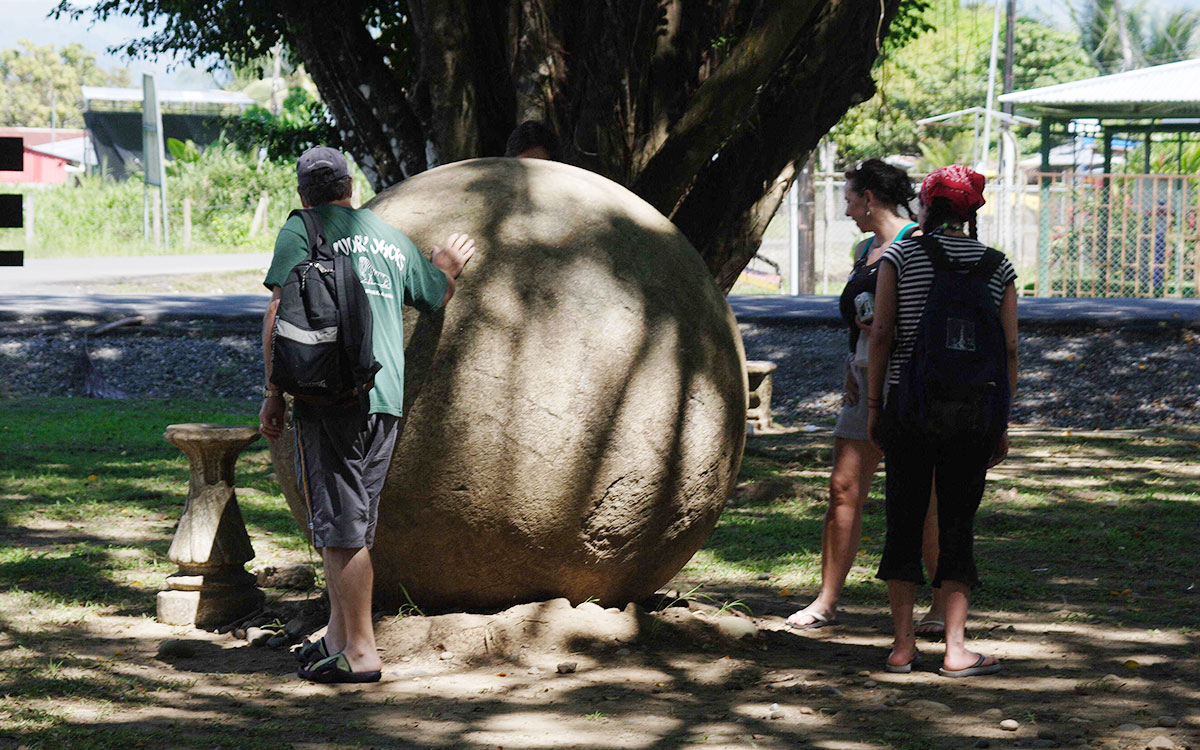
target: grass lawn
<point>1091,537</point>
<point>1082,528</point>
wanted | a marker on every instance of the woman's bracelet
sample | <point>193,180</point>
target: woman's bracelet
<point>874,401</point>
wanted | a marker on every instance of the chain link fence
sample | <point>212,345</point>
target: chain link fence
<point>1068,235</point>
<point>1117,235</point>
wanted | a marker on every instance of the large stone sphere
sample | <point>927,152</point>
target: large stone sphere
<point>576,414</point>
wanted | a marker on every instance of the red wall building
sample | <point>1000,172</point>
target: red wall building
<point>39,168</point>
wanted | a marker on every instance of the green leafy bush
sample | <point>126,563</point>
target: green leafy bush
<point>224,183</point>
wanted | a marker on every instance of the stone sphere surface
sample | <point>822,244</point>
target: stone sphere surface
<point>575,416</point>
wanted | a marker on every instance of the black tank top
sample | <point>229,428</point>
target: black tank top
<point>863,278</point>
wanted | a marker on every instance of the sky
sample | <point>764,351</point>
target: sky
<point>27,19</point>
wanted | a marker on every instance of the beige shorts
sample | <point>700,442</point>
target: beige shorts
<point>852,422</point>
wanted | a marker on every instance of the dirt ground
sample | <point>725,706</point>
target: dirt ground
<point>653,676</point>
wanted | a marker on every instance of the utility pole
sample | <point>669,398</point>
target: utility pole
<point>1010,34</point>
<point>991,89</point>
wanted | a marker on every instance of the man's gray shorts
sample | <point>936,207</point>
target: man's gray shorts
<point>342,458</point>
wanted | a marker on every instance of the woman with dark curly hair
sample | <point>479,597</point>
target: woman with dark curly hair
<point>875,193</point>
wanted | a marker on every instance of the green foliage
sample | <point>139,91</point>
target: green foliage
<point>912,19</point>
<point>1154,38</point>
<point>302,122</point>
<point>937,153</point>
<point>39,80</point>
<point>183,153</point>
<point>97,216</point>
<point>946,69</point>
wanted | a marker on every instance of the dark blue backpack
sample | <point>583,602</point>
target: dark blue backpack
<point>956,382</point>
<point>322,347</point>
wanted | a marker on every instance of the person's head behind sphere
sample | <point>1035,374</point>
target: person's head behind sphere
<point>533,139</point>
<point>875,187</point>
<point>323,176</point>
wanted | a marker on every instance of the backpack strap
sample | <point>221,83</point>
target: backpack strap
<point>982,268</point>
<point>935,251</point>
<point>987,264</point>
<point>862,249</point>
<point>318,245</point>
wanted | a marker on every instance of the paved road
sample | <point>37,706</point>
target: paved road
<point>33,291</point>
<point>1105,313</point>
<point>42,273</point>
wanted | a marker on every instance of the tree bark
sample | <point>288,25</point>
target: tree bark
<point>366,98</point>
<point>703,109</point>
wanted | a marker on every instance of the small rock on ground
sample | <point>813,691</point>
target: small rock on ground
<point>1009,725</point>
<point>922,707</point>
<point>566,667</point>
<point>258,636</point>
<point>177,649</point>
<point>736,627</point>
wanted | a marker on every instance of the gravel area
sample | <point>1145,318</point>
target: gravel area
<point>1079,378</point>
<point>188,360</point>
<point>1070,378</point>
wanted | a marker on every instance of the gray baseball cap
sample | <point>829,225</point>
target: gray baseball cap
<point>319,165</point>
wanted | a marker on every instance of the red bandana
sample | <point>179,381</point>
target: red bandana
<point>960,185</point>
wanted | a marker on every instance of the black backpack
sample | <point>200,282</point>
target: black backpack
<point>322,340</point>
<point>956,382</point>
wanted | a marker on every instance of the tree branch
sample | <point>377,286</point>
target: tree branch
<point>367,100</point>
<point>734,196</point>
<point>720,104</point>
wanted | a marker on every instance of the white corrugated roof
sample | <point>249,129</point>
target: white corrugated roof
<point>214,96</point>
<point>1171,90</point>
<point>71,149</point>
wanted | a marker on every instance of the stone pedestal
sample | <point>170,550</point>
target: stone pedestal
<point>211,546</point>
<point>758,402</point>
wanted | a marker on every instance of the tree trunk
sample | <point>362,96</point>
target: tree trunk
<point>703,109</point>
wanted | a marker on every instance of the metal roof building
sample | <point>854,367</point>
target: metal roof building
<point>1158,99</point>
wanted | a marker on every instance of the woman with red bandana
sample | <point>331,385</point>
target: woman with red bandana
<point>875,194</point>
<point>949,200</point>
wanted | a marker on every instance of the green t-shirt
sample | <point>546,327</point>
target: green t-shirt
<point>392,271</point>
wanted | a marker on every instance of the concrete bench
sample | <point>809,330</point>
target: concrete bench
<point>758,402</point>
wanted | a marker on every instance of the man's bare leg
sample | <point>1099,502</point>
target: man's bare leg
<point>335,633</point>
<point>351,578</point>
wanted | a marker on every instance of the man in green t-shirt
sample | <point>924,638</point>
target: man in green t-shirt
<point>342,452</point>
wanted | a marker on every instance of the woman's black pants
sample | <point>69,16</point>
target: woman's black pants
<point>913,461</point>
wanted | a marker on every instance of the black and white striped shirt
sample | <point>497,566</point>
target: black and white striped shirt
<point>914,277</point>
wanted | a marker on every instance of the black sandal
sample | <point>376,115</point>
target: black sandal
<point>311,652</point>
<point>336,668</point>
